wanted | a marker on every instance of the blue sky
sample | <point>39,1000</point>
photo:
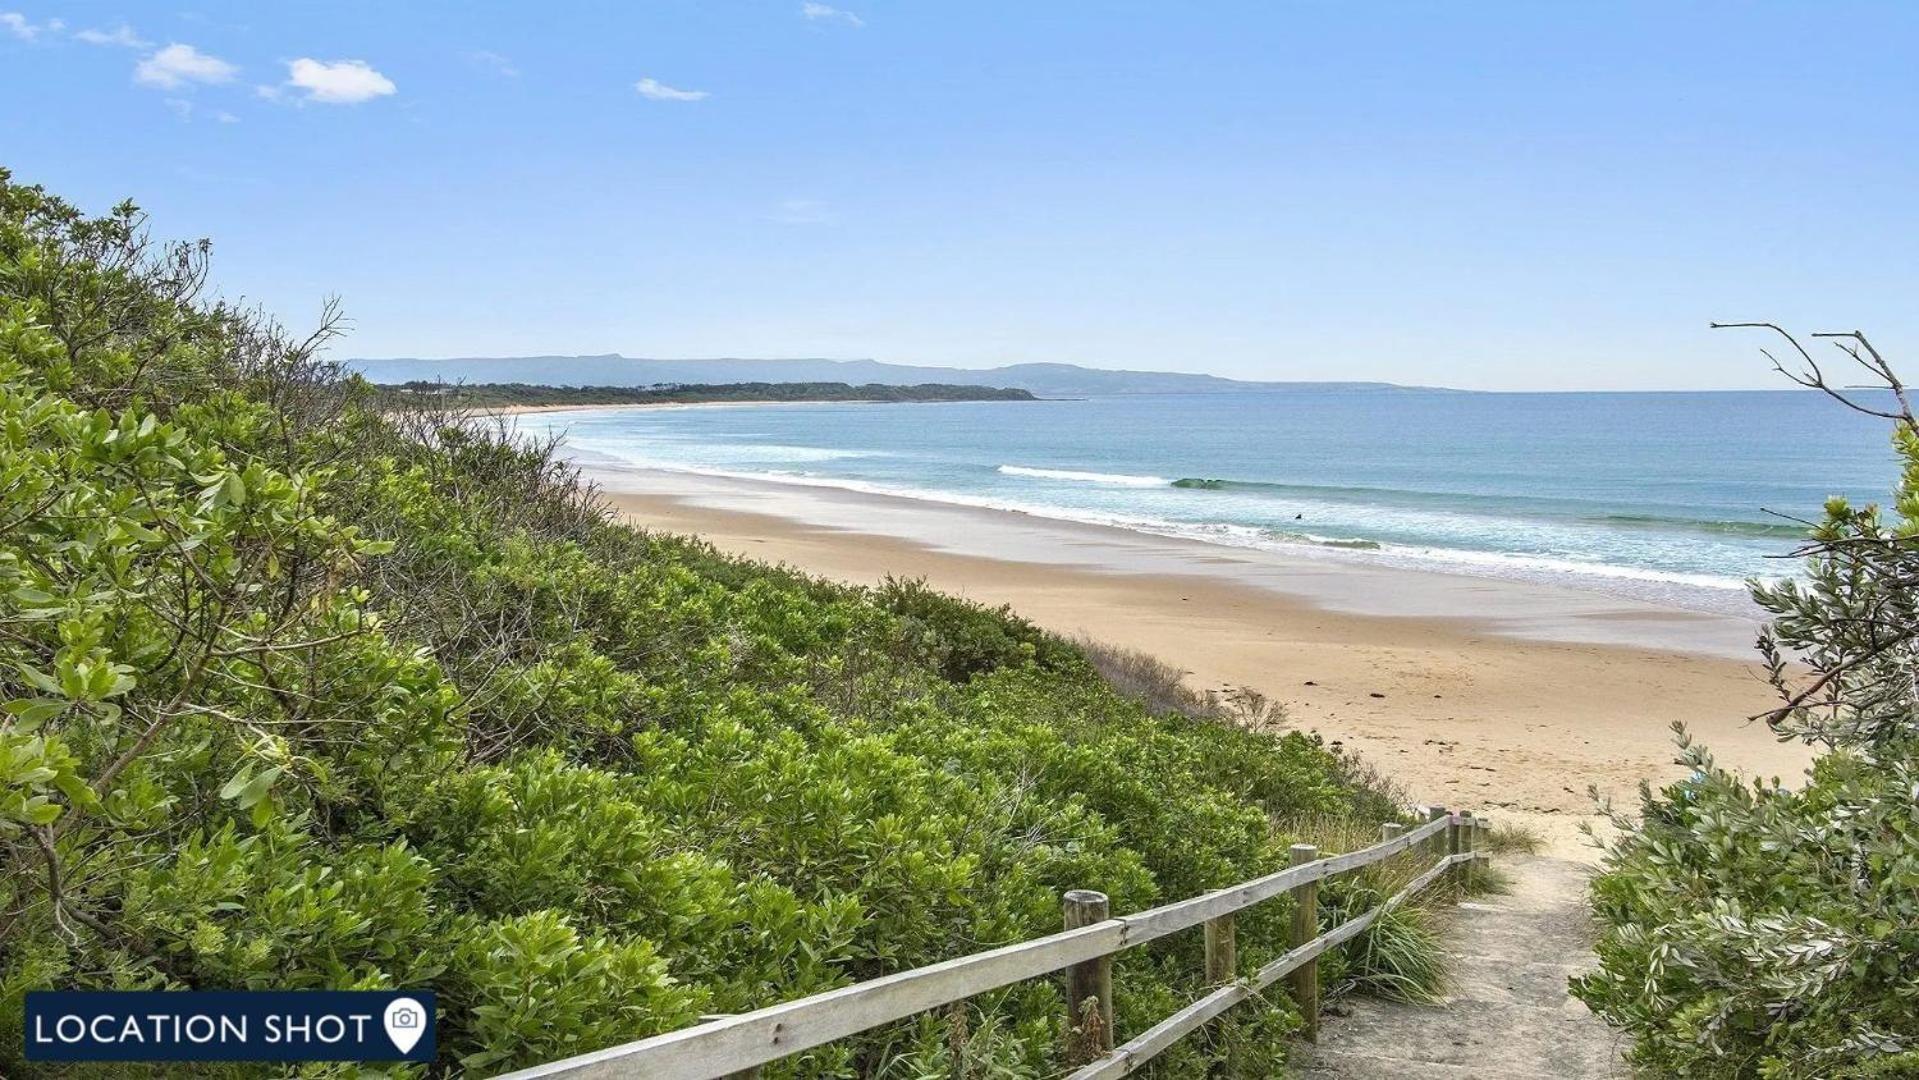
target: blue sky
<point>1495,195</point>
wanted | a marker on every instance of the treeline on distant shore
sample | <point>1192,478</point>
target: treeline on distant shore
<point>494,395</point>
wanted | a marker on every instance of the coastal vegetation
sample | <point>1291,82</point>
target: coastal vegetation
<point>499,395</point>
<point>1767,928</point>
<point>303,691</point>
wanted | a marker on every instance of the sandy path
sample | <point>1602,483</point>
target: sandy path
<point>1507,1015</point>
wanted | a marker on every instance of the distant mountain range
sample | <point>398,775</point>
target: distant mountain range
<point>1052,380</point>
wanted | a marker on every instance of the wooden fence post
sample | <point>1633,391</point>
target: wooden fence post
<point>1089,1030</point>
<point>1222,951</point>
<point>1305,978</point>
<point>1438,845</point>
<point>1393,830</point>
<point>1468,843</point>
<point>1453,831</point>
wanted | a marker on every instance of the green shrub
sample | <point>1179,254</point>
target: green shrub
<point>1757,930</point>
<point>299,693</point>
<point>1754,928</point>
<point>961,640</point>
<point>532,988</point>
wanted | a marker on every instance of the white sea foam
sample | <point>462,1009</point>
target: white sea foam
<point>775,452</point>
<point>1513,565</point>
<point>1115,479</point>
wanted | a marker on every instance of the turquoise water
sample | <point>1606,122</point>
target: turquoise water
<point>1670,496</point>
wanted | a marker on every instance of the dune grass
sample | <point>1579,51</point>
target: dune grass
<point>1162,688</point>
<point>1514,838</point>
<point>1400,956</point>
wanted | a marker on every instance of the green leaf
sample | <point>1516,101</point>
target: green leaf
<point>233,787</point>
<point>39,811</point>
<point>257,788</point>
<point>30,713</point>
<point>75,789</point>
<point>38,679</point>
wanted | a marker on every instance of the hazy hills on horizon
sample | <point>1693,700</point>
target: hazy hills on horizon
<point>612,369</point>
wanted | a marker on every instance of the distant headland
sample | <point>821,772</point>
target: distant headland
<point>613,370</point>
<point>523,397</point>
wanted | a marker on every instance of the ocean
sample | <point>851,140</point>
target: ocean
<point>1676,498</point>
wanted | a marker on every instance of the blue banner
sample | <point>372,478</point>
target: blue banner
<point>230,1025</point>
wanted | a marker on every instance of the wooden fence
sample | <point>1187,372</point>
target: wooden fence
<point>736,1046</point>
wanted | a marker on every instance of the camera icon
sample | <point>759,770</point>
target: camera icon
<point>407,1021</point>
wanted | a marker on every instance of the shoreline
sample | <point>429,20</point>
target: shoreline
<point>1479,712</point>
<point>1350,582</point>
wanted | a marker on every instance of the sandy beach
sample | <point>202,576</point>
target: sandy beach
<point>1504,709</point>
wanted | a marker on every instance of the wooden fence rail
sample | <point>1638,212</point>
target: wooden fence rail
<point>736,1046</point>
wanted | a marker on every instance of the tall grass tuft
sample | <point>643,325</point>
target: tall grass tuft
<point>1509,838</point>
<point>1162,689</point>
<point>1400,955</point>
<point>1145,678</point>
<point>1490,880</point>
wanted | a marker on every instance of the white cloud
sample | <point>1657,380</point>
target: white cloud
<point>655,90</point>
<point>17,25</point>
<point>177,65</point>
<point>817,11</point>
<point>337,82</point>
<point>121,36</point>
<point>493,63</point>
<point>226,117</point>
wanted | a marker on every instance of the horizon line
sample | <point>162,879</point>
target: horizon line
<point>1250,383</point>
